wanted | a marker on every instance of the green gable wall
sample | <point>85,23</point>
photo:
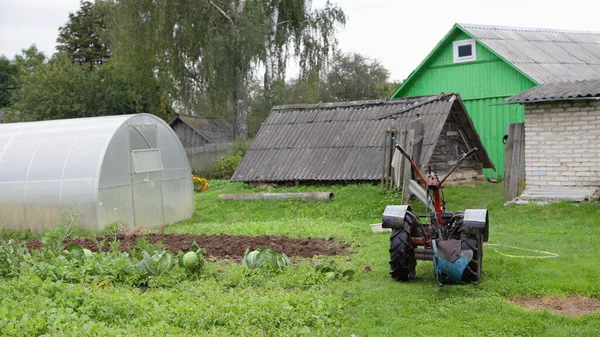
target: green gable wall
<point>488,80</point>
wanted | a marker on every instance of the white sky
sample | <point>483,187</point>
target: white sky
<point>398,33</point>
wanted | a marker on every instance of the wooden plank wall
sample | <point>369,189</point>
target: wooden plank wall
<point>189,137</point>
<point>204,156</point>
<point>514,162</point>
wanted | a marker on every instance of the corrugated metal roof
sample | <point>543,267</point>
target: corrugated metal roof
<point>344,141</point>
<point>560,91</point>
<point>545,55</point>
<point>215,129</point>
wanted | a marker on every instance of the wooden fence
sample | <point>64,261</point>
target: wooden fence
<point>396,170</point>
<point>514,162</point>
<point>204,156</point>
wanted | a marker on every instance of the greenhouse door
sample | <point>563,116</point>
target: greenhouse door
<point>146,172</point>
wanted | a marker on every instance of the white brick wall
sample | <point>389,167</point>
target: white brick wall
<point>562,144</point>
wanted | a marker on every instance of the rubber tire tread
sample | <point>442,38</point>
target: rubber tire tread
<point>472,273</point>
<point>402,255</point>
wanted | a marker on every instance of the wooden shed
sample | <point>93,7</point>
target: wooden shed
<point>346,141</point>
<point>197,131</point>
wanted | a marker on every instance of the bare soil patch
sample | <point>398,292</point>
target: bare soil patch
<point>572,306</point>
<point>220,246</point>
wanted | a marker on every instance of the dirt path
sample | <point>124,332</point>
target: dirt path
<point>221,246</point>
<point>572,306</point>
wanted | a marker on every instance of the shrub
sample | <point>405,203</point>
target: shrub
<point>12,255</point>
<point>226,166</point>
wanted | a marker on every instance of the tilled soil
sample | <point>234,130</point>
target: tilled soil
<point>220,246</point>
<point>570,306</point>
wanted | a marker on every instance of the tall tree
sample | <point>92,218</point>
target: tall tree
<point>63,89</point>
<point>215,46</point>
<point>354,76</point>
<point>29,60</point>
<point>83,37</point>
<point>8,81</point>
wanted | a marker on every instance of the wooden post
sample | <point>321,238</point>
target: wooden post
<point>410,135</point>
<point>419,136</point>
<point>397,176</point>
<point>383,163</point>
<point>514,161</point>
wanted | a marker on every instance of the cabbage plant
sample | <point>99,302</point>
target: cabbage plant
<point>265,258</point>
<point>193,260</point>
<point>157,263</point>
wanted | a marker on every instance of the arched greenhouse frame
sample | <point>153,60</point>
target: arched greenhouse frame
<point>130,169</point>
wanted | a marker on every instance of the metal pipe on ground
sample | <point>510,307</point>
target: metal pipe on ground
<point>321,196</point>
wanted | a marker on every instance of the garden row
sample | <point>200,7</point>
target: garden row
<point>144,265</point>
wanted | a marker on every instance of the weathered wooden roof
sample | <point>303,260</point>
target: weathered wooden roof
<point>560,91</point>
<point>344,141</point>
<point>214,129</point>
<point>545,55</point>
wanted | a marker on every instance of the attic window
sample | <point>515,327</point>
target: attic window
<point>464,51</point>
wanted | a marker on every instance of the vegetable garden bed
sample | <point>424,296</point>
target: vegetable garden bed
<point>220,246</point>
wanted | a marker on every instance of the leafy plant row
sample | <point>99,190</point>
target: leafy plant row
<point>145,265</point>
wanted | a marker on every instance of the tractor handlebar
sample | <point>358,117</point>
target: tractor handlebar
<point>400,148</point>
<point>468,154</point>
<point>455,166</point>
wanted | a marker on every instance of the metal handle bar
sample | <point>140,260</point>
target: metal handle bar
<point>463,157</point>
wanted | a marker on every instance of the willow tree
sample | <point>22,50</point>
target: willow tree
<point>213,48</point>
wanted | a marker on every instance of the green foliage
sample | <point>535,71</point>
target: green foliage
<point>12,256</point>
<point>19,235</point>
<point>83,37</point>
<point>143,244</point>
<point>265,258</point>
<point>156,264</point>
<point>301,301</point>
<point>53,239</point>
<point>30,60</point>
<point>171,40</point>
<point>62,89</point>
<point>8,81</point>
<point>334,271</point>
<point>353,77</point>
<point>225,167</point>
<point>75,265</point>
<point>349,77</point>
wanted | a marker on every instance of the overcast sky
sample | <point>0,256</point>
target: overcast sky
<point>398,33</point>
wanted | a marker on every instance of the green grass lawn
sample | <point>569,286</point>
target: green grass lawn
<point>229,300</point>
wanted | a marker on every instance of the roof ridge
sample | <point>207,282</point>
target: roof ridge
<point>416,105</point>
<point>206,117</point>
<point>528,29</point>
<point>353,104</point>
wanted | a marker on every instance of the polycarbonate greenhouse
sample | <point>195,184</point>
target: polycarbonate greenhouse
<point>129,168</point>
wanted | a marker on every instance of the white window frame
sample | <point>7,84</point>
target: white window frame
<point>460,43</point>
<point>137,169</point>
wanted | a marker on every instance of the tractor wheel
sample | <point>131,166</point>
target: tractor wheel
<point>402,253</point>
<point>472,273</point>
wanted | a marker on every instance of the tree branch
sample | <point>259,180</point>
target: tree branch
<point>222,12</point>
